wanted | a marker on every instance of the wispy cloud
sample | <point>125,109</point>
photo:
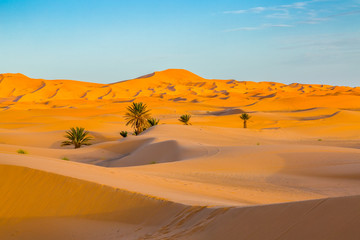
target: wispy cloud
<point>242,29</point>
<point>313,19</point>
<point>345,14</point>
<point>281,14</point>
<point>297,13</point>
<point>296,5</point>
<point>251,10</point>
<point>325,42</point>
<point>267,25</point>
<point>323,49</point>
<point>278,25</point>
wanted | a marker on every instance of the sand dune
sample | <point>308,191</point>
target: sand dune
<point>177,84</point>
<point>293,174</point>
<point>98,211</point>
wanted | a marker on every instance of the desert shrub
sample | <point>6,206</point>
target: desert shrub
<point>65,158</point>
<point>185,119</point>
<point>124,134</point>
<point>21,151</point>
<point>153,121</point>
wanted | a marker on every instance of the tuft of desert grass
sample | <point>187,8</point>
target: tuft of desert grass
<point>21,151</point>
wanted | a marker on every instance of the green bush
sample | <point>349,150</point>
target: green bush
<point>124,134</point>
<point>153,121</point>
<point>185,119</point>
<point>65,158</point>
<point>21,151</point>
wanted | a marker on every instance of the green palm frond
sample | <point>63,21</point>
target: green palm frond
<point>124,134</point>
<point>153,121</point>
<point>185,119</point>
<point>245,116</point>
<point>77,136</point>
<point>137,116</point>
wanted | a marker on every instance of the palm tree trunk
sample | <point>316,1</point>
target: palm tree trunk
<point>245,126</point>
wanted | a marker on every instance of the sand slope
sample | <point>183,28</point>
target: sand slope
<point>293,174</point>
<point>80,209</point>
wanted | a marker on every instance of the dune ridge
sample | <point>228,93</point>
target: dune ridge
<point>175,85</point>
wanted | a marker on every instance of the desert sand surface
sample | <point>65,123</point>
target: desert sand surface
<point>294,173</point>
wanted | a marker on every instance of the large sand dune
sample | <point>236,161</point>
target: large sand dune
<point>293,174</point>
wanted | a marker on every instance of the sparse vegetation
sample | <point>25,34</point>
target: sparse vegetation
<point>319,139</point>
<point>77,137</point>
<point>153,121</point>
<point>258,144</point>
<point>185,119</point>
<point>65,158</point>
<point>153,162</point>
<point>124,134</point>
<point>21,151</point>
<point>137,116</point>
<point>245,117</point>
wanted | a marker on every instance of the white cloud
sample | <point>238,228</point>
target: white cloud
<point>264,26</point>
<point>278,25</point>
<point>297,5</point>
<point>242,29</point>
<point>258,9</point>
<point>282,14</point>
<point>289,15</point>
<point>251,10</point>
<point>314,20</point>
<point>236,12</point>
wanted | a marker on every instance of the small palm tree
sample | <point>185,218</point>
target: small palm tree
<point>77,136</point>
<point>153,121</point>
<point>245,117</point>
<point>185,119</point>
<point>124,134</point>
<point>137,116</point>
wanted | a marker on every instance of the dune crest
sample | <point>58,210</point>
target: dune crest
<point>176,85</point>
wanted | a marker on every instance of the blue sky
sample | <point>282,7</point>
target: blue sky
<point>315,41</point>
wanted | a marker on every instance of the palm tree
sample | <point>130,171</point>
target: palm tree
<point>77,136</point>
<point>153,121</point>
<point>137,116</point>
<point>124,134</point>
<point>245,117</point>
<point>185,119</point>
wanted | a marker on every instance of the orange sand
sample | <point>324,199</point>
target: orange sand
<point>293,174</point>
